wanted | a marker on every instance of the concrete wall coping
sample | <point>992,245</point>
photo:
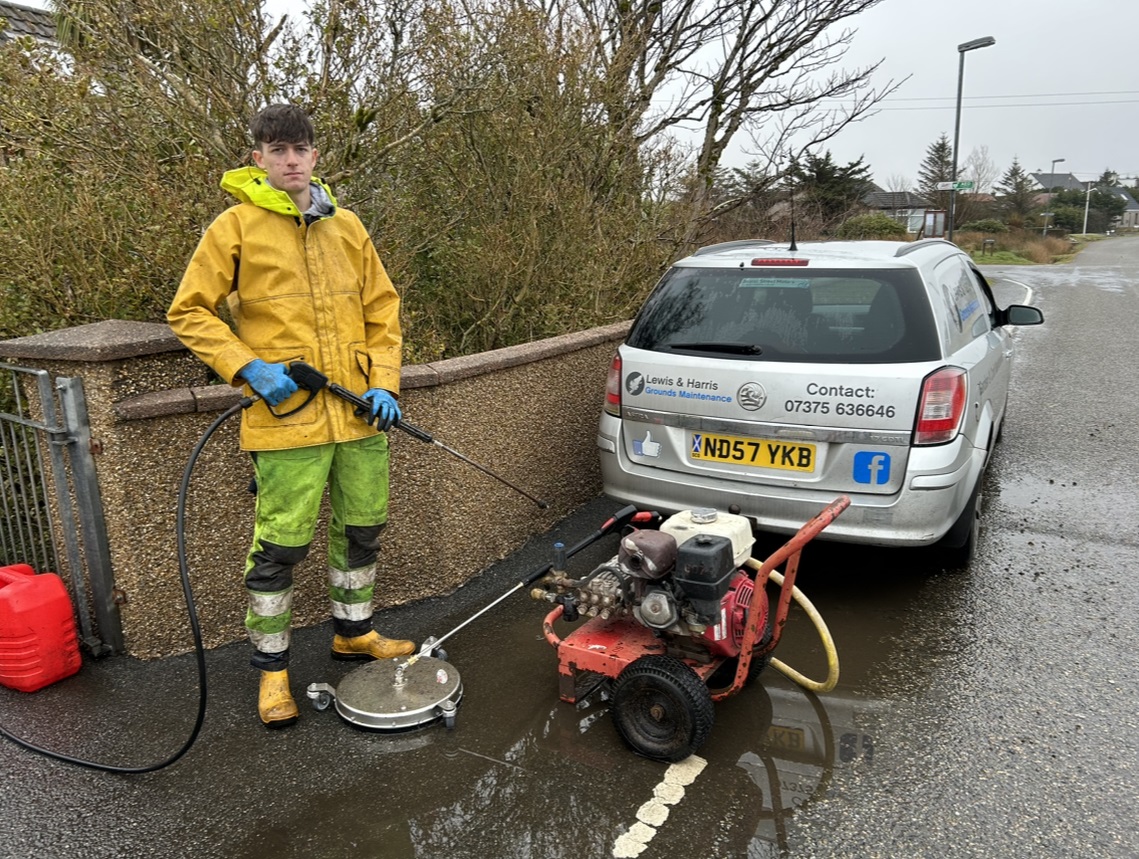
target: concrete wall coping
<point>110,340</point>
<point>109,343</point>
<point>469,366</point>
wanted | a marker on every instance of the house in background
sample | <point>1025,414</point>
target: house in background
<point>1046,182</point>
<point>1063,181</point>
<point>906,207</point>
<point>22,22</point>
<point>1129,220</point>
<point>25,21</point>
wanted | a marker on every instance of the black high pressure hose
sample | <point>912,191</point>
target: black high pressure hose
<point>191,610</point>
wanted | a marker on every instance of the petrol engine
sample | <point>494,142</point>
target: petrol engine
<point>684,580</point>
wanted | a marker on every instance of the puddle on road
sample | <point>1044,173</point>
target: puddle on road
<point>526,775</point>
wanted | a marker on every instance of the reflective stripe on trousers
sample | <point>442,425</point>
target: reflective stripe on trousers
<point>351,592</point>
<point>269,620</point>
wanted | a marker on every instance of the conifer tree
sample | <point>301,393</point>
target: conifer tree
<point>1017,193</point>
<point>935,168</point>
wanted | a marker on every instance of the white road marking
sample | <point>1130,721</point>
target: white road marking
<point>654,813</point>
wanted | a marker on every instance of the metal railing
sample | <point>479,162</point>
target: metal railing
<point>25,530</point>
<point>49,495</point>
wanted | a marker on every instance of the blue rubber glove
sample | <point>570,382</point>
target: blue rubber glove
<point>270,381</point>
<point>385,409</point>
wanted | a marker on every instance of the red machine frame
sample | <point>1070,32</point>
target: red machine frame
<point>606,646</point>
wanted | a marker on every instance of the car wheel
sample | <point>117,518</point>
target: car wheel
<point>1001,426</point>
<point>958,547</point>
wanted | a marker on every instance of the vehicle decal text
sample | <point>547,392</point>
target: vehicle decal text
<point>853,402</point>
<point>680,387</point>
<point>859,393</point>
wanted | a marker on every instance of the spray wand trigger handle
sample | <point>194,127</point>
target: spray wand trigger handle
<point>307,376</point>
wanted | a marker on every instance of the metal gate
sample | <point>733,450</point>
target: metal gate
<point>49,495</point>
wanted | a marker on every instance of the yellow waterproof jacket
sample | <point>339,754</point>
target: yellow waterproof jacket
<point>315,293</point>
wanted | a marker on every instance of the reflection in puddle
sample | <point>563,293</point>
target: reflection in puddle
<point>807,739</point>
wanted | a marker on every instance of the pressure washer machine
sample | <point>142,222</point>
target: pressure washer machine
<point>678,619</point>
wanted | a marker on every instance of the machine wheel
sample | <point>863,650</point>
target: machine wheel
<point>322,701</point>
<point>662,710</point>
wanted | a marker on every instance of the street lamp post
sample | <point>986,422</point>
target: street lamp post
<point>962,49</point>
<point>1052,176</point>
<point>1087,205</point>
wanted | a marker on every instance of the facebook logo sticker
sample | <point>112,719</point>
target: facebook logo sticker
<point>871,466</point>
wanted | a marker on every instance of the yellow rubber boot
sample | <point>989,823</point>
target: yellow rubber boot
<point>275,704</point>
<point>370,646</point>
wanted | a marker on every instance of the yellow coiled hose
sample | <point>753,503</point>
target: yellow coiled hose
<point>824,635</point>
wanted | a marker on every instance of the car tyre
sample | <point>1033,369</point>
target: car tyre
<point>959,546</point>
<point>1001,426</point>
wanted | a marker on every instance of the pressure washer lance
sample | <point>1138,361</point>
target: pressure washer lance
<point>311,379</point>
<point>618,520</point>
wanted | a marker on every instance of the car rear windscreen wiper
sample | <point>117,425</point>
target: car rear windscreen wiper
<point>733,348</point>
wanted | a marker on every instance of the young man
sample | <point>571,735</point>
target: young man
<point>303,283</point>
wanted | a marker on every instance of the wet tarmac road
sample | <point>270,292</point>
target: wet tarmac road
<point>983,713</point>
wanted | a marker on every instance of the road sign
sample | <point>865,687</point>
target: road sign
<point>944,186</point>
<point>966,185</point>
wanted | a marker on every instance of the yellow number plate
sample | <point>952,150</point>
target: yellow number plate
<point>760,452</point>
<point>787,739</point>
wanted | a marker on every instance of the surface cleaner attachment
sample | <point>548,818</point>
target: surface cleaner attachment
<point>395,694</point>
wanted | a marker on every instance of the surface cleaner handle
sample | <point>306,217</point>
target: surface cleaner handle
<point>614,523</point>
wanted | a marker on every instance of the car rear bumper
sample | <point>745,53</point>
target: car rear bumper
<point>935,492</point>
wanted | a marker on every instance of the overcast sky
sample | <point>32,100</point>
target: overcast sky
<point>1062,81</point>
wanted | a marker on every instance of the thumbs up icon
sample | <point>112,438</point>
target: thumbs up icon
<point>646,447</point>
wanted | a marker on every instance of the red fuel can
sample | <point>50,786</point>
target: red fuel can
<point>38,644</point>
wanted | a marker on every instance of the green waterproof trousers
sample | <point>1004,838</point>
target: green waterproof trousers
<point>290,486</point>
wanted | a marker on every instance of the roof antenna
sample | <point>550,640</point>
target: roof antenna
<point>791,175</point>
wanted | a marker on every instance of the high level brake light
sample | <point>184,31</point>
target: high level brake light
<point>613,388</point>
<point>941,406</point>
<point>762,261</point>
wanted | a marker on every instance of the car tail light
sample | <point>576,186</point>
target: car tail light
<point>761,261</point>
<point>941,406</point>
<point>613,388</point>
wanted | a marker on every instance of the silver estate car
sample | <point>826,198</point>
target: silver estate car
<point>766,381</point>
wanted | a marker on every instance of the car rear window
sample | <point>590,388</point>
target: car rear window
<point>830,316</point>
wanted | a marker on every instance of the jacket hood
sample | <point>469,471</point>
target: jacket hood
<point>251,185</point>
